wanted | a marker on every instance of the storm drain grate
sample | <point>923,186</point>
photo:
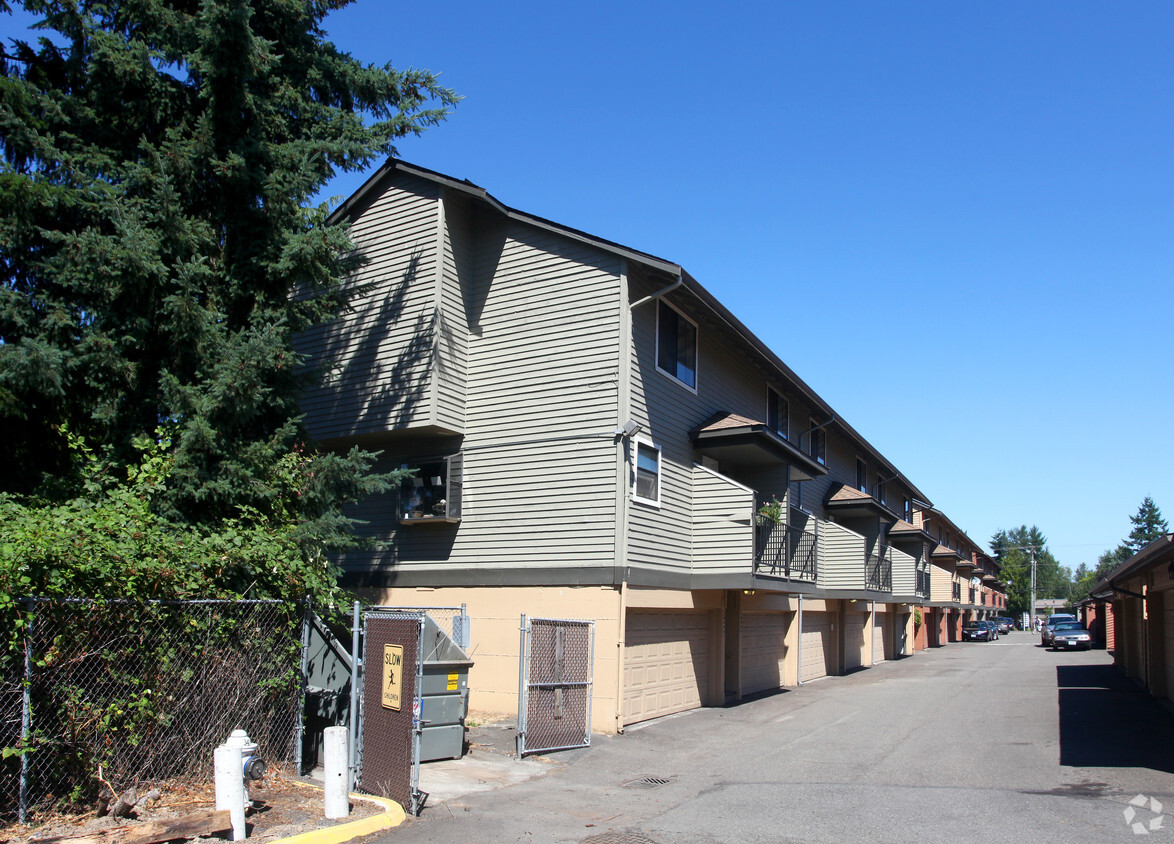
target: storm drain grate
<point>650,782</point>
<point>619,838</point>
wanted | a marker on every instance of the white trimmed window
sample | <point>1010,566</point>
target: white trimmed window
<point>646,474</point>
<point>676,345</point>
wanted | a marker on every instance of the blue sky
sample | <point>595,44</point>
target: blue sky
<point>954,220</point>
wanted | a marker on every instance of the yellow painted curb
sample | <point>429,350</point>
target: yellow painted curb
<point>393,815</point>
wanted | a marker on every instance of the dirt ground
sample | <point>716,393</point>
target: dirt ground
<point>283,806</point>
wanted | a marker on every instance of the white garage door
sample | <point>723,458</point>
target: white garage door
<point>817,645</point>
<point>666,663</point>
<point>854,646</point>
<point>763,650</point>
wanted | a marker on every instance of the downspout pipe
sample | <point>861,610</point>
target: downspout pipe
<point>658,294</point>
<point>799,658</point>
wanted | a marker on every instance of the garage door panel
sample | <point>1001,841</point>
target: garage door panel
<point>764,650</point>
<point>817,649</point>
<point>666,660</point>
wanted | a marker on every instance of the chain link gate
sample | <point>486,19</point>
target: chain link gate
<point>387,752</point>
<point>554,684</point>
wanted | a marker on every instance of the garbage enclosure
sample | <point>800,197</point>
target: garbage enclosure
<point>444,695</point>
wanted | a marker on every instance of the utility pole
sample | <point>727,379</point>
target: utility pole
<point>1031,549</point>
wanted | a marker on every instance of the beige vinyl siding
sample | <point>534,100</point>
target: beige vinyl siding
<point>723,532</point>
<point>904,572</point>
<point>377,357</point>
<point>841,557</point>
<point>940,584</point>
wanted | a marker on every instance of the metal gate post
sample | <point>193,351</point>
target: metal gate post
<point>356,680</point>
<point>417,724</point>
<point>523,664</point>
<point>26,713</point>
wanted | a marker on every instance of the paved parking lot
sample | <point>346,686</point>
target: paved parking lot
<point>976,741</point>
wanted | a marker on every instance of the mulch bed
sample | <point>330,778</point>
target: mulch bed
<point>283,806</point>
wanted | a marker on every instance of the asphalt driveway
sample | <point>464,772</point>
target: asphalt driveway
<point>973,741</point>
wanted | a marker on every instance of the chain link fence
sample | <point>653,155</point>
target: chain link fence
<point>142,693</point>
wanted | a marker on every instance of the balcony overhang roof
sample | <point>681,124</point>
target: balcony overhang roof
<point>946,554</point>
<point>903,531</point>
<point>741,441</point>
<point>989,578</point>
<point>851,502</point>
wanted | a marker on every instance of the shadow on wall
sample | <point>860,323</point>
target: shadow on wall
<point>1108,722</point>
<point>374,369</point>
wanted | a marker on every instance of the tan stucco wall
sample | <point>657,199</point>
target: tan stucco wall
<point>495,615</point>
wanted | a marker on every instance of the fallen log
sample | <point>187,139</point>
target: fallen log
<point>151,832</point>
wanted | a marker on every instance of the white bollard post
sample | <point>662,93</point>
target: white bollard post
<point>334,751</point>
<point>230,787</point>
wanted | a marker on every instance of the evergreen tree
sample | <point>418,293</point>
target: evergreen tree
<point>1012,549</point>
<point>1148,526</point>
<point>159,249</point>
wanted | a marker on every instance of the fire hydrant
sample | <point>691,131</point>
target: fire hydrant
<point>237,763</point>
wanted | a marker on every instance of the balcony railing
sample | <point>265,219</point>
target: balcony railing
<point>972,594</point>
<point>923,584</point>
<point>878,570</point>
<point>785,551</point>
<point>957,591</point>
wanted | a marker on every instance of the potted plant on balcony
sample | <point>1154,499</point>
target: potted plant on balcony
<point>770,513</point>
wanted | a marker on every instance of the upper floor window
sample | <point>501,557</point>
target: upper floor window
<point>880,488</point>
<point>676,345</point>
<point>861,475</point>
<point>909,510</point>
<point>646,478</point>
<point>777,413</point>
<point>818,447</point>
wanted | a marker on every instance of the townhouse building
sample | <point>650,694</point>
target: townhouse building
<point>593,435</point>
<point>1131,612</point>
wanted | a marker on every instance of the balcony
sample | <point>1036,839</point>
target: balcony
<point>923,582</point>
<point>878,570</point>
<point>783,550</point>
<point>957,592</point>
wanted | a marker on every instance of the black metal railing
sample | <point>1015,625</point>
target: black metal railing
<point>782,550</point>
<point>972,594</point>
<point>957,592</point>
<point>878,570</point>
<point>923,583</point>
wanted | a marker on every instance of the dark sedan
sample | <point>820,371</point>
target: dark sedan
<point>978,631</point>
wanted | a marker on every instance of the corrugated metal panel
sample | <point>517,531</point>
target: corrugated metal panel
<point>841,557</point>
<point>723,536</point>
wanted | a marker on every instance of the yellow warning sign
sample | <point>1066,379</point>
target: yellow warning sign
<point>393,679</point>
<point>452,682</point>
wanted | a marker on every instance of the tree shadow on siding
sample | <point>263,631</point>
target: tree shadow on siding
<point>1108,722</point>
<point>367,384</point>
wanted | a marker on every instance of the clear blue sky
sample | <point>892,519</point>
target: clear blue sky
<point>954,220</point>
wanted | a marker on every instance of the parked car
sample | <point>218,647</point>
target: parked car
<point>977,631</point>
<point>1005,625</point>
<point>1071,634</point>
<point>994,628</point>
<point>1045,633</point>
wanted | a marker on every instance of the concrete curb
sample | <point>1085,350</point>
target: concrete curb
<point>393,815</point>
